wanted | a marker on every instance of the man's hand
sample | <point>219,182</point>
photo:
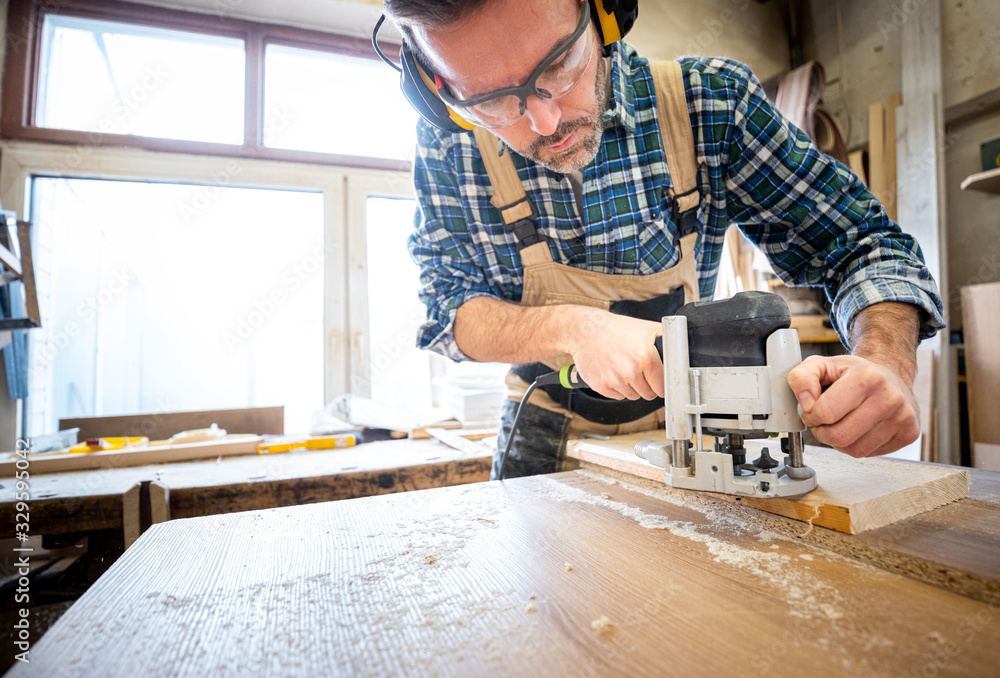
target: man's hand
<point>866,411</point>
<point>868,408</point>
<point>615,355</point>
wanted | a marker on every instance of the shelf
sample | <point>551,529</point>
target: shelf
<point>814,329</point>
<point>983,181</point>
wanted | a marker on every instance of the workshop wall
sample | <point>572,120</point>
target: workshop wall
<point>753,33</point>
<point>971,68</point>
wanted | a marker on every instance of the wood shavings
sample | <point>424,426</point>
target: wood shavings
<point>529,608</point>
<point>805,556</point>
<point>935,637</point>
<point>603,625</point>
<point>829,611</point>
<point>815,515</point>
<point>569,568</point>
<point>431,559</point>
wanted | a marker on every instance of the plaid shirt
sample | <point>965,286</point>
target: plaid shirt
<point>811,216</point>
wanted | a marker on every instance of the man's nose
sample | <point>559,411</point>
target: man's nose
<point>543,115</point>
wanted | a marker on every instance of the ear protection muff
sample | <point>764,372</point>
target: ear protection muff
<point>613,18</point>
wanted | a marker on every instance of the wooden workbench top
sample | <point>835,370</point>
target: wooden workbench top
<point>571,574</point>
<point>78,501</point>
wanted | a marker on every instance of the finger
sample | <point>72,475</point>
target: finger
<point>845,395</point>
<point>868,443</point>
<point>654,377</point>
<point>898,442</point>
<point>807,379</point>
<point>847,430</point>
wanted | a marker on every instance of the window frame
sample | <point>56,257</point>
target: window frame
<point>20,84</point>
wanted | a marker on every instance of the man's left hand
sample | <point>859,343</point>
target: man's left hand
<point>868,410</point>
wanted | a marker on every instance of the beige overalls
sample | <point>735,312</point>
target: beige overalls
<point>549,283</point>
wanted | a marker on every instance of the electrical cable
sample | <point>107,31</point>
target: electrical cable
<point>378,50</point>
<point>513,428</point>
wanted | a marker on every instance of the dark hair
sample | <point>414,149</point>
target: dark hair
<point>430,13</point>
<point>408,14</point>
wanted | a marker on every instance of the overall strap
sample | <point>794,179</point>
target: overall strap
<point>678,142</point>
<point>508,193</point>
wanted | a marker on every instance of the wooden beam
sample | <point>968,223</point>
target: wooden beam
<point>854,495</point>
<point>981,324</point>
<point>921,188</point>
<point>162,425</point>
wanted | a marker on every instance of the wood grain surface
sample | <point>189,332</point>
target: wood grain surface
<point>854,495</point>
<point>562,575</point>
<point>90,500</point>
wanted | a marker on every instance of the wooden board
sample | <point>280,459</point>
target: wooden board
<point>981,325</point>
<point>162,425</point>
<point>854,495</point>
<point>231,446</point>
<point>563,575</point>
<point>82,501</point>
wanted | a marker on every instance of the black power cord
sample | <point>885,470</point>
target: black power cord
<point>513,428</point>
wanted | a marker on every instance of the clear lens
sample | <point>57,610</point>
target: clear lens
<point>557,80</point>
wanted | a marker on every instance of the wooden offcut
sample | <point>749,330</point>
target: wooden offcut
<point>981,325</point>
<point>853,496</point>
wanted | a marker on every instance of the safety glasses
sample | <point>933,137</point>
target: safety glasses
<point>553,78</point>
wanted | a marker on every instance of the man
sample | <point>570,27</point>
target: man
<point>589,153</point>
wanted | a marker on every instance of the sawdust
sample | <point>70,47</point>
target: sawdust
<point>935,637</point>
<point>804,592</point>
<point>603,625</point>
<point>569,568</point>
<point>815,515</point>
<point>805,556</point>
<point>529,607</point>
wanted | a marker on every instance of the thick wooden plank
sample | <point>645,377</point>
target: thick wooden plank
<point>981,324</point>
<point>162,425</point>
<point>561,575</point>
<point>854,495</point>
<point>920,157</point>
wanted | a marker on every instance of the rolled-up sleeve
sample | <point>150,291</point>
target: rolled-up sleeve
<point>812,216</point>
<point>442,247</point>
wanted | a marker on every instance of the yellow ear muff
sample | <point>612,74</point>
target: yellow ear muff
<point>455,117</point>
<point>609,24</point>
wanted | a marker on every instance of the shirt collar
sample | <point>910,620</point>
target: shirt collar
<point>621,107</point>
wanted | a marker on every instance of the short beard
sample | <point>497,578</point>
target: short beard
<point>586,148</point>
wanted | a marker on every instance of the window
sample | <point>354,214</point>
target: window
<point>113,78</point>
<point>132,75</point>
<point>150,308</point>
<point>333,103</point>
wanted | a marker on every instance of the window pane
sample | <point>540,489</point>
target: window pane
<point>162,297</point>
<point>113,78</point>
<point>399,372</point>
<point>316,101</point>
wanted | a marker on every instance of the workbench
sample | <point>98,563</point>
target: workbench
<point>122,498</point>
<point>576,573</point>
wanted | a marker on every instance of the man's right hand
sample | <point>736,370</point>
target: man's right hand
<point>616,355</point>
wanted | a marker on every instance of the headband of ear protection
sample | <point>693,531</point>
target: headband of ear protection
<point>613,18</point>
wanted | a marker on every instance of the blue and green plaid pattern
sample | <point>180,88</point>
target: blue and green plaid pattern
<point>813,218</point>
